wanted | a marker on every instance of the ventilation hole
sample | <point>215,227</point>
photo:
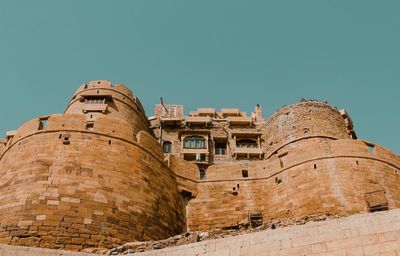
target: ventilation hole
<point>89,126</point>
<point>238,186</point>
<point>315,166</point>
<point>86,86</point>
<point>91,116</point>
<point>60,136</point>
<point>98,82</point>
<point>98,92</point>
<point>357,162</point>
<point>63,125</point>
<point>109,142</point>
<point>245,173</point>
<point>277,180</point>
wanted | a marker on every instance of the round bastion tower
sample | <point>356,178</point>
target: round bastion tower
<point>301,123</point>
<point>91,177</point>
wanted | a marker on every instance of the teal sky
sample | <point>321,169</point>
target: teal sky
<point>206,53</point>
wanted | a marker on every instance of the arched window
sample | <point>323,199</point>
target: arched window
<point>246,143</point>
<point>194,142</point>
<point>167,147</point>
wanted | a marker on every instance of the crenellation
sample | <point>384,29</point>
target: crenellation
<point>102,174</point>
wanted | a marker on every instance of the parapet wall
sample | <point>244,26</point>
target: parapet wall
<point>362,234</point>
<point>64,186</point>
<point>327,177</point>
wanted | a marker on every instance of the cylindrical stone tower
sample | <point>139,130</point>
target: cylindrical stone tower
<point>92,177</point>
<point>306,120</point>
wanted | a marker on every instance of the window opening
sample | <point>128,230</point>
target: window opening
<point>89,126</point>
<point>220,148</point>
<point>371,149</point>
<point>194,142</point>
<point>246,143</point>
<point>95,100</point>
<point>256,219</point>
<point>202,174</point>
<point>167,147</point>
<point>42,123</point>
<point>245,173</point>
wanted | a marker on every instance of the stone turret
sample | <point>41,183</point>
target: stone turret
<point>91,177</point>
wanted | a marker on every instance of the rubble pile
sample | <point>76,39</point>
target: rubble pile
<point>194,237</point>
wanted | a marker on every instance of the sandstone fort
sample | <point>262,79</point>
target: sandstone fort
<point>104,173</point>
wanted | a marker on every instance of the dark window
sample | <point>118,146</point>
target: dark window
<point>90,126</point>
<point>42,123</point>
<point>220,148</point>
<point>95,100</point>
<point>245,173</point>
<point>246,143</point>
<point>202,174</point>
<point>194,142</point>
<point>167,146</point>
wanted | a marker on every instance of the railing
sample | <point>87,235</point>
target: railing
<point>194,151</point>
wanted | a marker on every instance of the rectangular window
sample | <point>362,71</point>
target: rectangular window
<point>95,100</point>
<point>220,148</point>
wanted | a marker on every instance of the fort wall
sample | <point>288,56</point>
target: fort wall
<point>96,176</point>
<point>70,185</point>
<point>330,177</point>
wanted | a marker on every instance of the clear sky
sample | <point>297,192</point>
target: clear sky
<point>203,53</point>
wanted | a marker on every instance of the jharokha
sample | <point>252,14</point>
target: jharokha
<point>103,173</point>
